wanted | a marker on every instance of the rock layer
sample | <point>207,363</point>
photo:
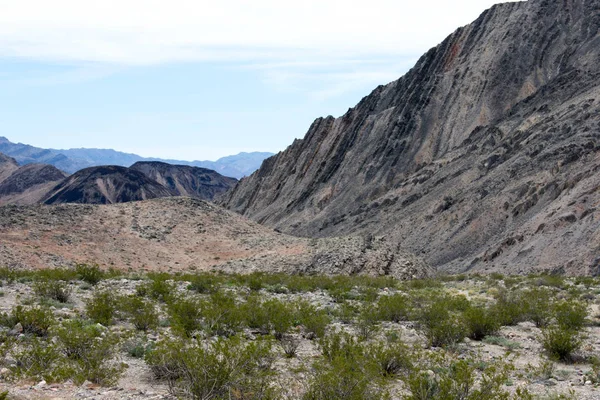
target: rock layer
<point>484,156</point>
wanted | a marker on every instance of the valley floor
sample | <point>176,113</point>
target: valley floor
<point>83,333</point>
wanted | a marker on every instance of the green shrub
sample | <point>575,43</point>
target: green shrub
<point>101,307</point>
<point>77,337</point>
<point>34,320</point>
<point>137,348</point>
<point>268,316</point>
<point>393,308</point>
<point>157,288</point>
<point>501,341</point>
<point>203,283</point>
<point>223,369</point>
<point>391,359</point>
<point>456,380</point>
<point>314,321</point>
<point>441,327</point>
<point>141,313</point>
<point>221,315</point>
<point>90,274</point>
<point>540,306</point>
<point>37,359</point>
<point>367,322</point>
<point>571,314</point>
<point>480,322</point>
<point>560,343</point>
<point>185,315</point>
<point>511,308</point>
<point>53,290</point>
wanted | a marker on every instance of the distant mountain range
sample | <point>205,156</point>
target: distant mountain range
<point>73,160</point>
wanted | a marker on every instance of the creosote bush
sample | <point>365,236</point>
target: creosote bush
<point>560,343</point>
<point>480,322</point>
<point>442,327</point>
<point>101,307</point>
<point>90,274</point>
<point>52,290</point>
<point>140,312</point>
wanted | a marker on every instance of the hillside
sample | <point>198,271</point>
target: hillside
<point>187,181</point>
<point>483,157</point>
<point>105,185</point>
<point>182,234</point>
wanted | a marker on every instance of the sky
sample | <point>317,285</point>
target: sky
<point>196,79</point>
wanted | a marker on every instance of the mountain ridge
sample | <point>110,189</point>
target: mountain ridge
<point>492,134</point>
<point>73,160</point>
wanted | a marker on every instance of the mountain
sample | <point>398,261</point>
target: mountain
<point>483,157</point>
<point>181,234</point>
<point>27,184</point>
<point>186,181</point>
<point>73,160</point>
<point>106,185</point>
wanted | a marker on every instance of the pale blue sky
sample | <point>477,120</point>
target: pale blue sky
<point>188,79</point>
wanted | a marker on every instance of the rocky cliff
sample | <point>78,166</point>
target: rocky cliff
<point>186,181</point>
<point>484,156</point>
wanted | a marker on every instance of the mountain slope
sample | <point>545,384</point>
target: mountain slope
<point>106,185</point>
<point>482,157</point>
<point>73,160</point>
<point>187,181</point>
<point>29,183</point>
<point>8,165</point>
<point>181,234</point>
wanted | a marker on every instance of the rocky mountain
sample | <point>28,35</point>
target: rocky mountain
<point>173,234</point>
<point>26,184</point>
<point>186,181</point>
<point>73,160</point>
<point>485,156</point>
<point>106,185</point>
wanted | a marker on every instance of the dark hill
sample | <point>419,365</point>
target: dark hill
<point>484,156</point>
<point>106,185</point>
<point>186,181</point>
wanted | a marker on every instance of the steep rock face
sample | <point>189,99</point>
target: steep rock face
<point>484,156</point>
<point>106,185</point>
<point>186,181</point>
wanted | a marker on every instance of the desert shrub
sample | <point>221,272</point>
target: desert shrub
<point>441,327</point>
<point>560,343</point>
<point>480,322</point>
<point>56,274</point>
<point>221,315</point>
<point>424,284</point>
<point>344,372</point>
<point>289,344</point>
<point>37,359</point>
<point>52,289</point>
<point>511,307</point>
<point>90,274</point>
<point>141,313</point>
<point>540,306</point>
<point>101,307</point>
<point>185,315</point>
<point>158,288</point>
<point>314,321</point>
<point>137,348</point>
<point>571,314</point>
<point>34,320</point>
<point>221,369</point>
<point>555,281</point>
<point>390,359</point>
<point>76,337</point>
<point>347,312</point>
<point>501,341</point>
<point>203,283</point>
<point>393,308</point>
<point>367,322</point>
<point>457,380</point>
<point>268,316</point>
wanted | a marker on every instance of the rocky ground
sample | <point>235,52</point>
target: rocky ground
<point>356,306</point>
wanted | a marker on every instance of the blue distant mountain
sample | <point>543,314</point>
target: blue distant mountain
<point>73,160</point>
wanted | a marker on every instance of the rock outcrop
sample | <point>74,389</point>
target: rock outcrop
<point>186,181</point>
<point>484,156</point>
<point>106,185</point>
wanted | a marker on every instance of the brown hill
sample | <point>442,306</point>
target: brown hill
<point>484,156</point>
<point>106,185</point>
<point>29,183</point>
<point>181,234</point>
<point>187,181</point>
